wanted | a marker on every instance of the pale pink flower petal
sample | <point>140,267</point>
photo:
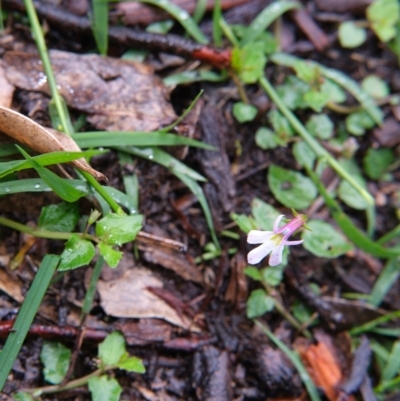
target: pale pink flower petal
<point>277,222</point>
<point>293,242</point>
<point>259,253</point>
<point>258,237</point>
<point>276,256</point>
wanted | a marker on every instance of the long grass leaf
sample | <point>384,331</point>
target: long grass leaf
<point>26,315</point>
<point>295,359</point>
<point>386,280</point>
<point>120,138</point>
<point>182,16</point>
<point>374,323</point>
<point>392,366</point>
<point>165,159</point>
<point>266,18</point>
<point>61,187</point>
<point>341,79</point>
<point>45,160</point>
<point>349,229</point>
<point>198,192</point>
<point>100,25</point>
<point>217,15</point>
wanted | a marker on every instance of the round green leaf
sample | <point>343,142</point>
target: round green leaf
<point>303,154</point>
<point>110,255</point>
<point>320,125</point>
<point>358,122</point>
<point>131,364</point>
<point>78,252</point>
<point>112,349</point>
<point>258,304</point>
<point>351,35</point>
<point>375,86</point>
<point>104,388</point>
<point>272,275</point>
<point>55,358</point>
<point>324,241</point>
<point>376,162</point>
<point>62,217</point>
<point>114,229</point>
<point>244,112</point>
<point>290,188</point>
<point>266,139</point>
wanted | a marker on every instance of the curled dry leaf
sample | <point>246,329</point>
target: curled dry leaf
<point>27,132</point>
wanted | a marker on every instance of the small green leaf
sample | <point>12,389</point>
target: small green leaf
<point>306,71</point>
<point>320,125</point>
<point>249,62</point>
<point>351,35</point>
<point>21,396</point>
<point>292,92</point>
<point>55,358</point>
<point>62,217</point>
<point>114,229</point>
<point>291,188</point>
<point>376,162</point>
<point>280,125</point>
<point>324,241</point>
<point>383,15</point>
<point>112,349</point>
<point>244,222</point>
<point>258,304</point>
<point>244,112</point>
<point>264,214</point>
<point>78,252</point>
<point>253,273</point>
<point>104,388</point>
<point>110,255</point>
<point>358,122</point>
<point>272,275</point>
<point>316,99</point>
<point>131,364</point>
<point>303,154</point>
<point>375,86</point>
<point>267,139</point>
<point>160,27</point>
<point>334,92</point>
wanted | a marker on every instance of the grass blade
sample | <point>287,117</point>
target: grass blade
<point>97,139</point>
<point>266,18</point>
<point>217,32</point>
<point>182,16</point>
<point>45,160</point>
<point>26,315</point>
<point>386,279</point>
<point>100,25</point>
<point>165,159</point>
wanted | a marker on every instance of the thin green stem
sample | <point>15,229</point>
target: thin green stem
<point>283,311</point>
<point>37,232</point>
<point>82,381</point>
<point>44,55</point>
<point>106,196</point>
<point>312,143</point>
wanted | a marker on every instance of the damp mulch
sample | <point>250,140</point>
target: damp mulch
<point>191,331</point>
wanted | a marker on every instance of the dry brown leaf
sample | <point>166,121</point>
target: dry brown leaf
<point>26,131</point>
<point>127,296</point>
<point>11,285</point>
<point>117,95</point>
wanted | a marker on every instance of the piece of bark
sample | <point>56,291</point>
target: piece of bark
<point>308,26</point>
<point>117,95</point>
<point>212,375</point>
<point>215,164</point>
<point>343,6</point>
<point>7,90</point>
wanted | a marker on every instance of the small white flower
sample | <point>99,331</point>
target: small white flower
<point>274,241</point>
